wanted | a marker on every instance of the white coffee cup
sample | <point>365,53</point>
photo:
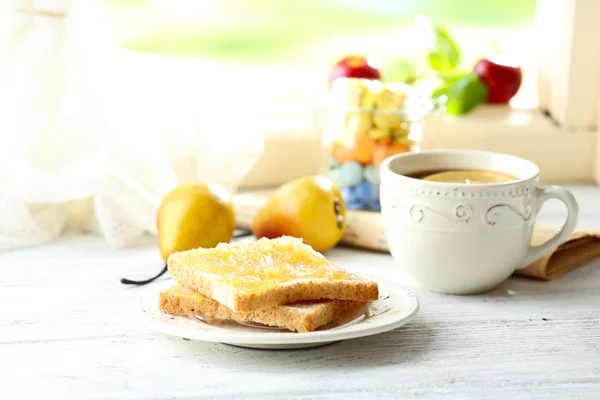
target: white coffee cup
<point>465,238</point>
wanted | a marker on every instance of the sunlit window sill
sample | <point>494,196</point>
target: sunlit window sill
<point>294,149</point>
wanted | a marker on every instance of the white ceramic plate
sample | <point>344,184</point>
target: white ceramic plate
<point>396,306</point>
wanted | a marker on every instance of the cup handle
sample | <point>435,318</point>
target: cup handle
<point>553,192</point>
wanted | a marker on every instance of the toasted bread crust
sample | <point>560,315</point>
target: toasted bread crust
<point>300,317</point>
<point>352,288</point>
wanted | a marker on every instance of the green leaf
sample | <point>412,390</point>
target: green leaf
<point>440,91</point>
<point>443,55</point>
<point>447,80</point>
<point>452,77</point>
<point>465,94</point>
<point>400,70</point>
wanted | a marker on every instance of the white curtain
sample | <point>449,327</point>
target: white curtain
<point>91,136</point>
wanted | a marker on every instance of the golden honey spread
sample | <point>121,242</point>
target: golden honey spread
<point>254,266</point>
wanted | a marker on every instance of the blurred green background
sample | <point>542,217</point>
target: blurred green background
<point>274,30</point>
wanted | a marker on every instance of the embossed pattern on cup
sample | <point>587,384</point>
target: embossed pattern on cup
<point>466,209</point>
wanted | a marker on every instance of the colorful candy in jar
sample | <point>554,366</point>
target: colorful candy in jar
<point>375,127</point>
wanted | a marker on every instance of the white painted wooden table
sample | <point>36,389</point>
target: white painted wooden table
<point>68,331</point>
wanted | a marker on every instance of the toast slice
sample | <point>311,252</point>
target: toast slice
<point>249,275</point>
<point>299,317</point>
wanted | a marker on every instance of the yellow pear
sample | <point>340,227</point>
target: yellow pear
<point>194,215</point>
<point>311,208</point>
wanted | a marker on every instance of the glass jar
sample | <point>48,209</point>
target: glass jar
<point>367,122</point>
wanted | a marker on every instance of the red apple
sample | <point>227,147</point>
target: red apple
<point>503,80</point>
<point>354,67</point>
